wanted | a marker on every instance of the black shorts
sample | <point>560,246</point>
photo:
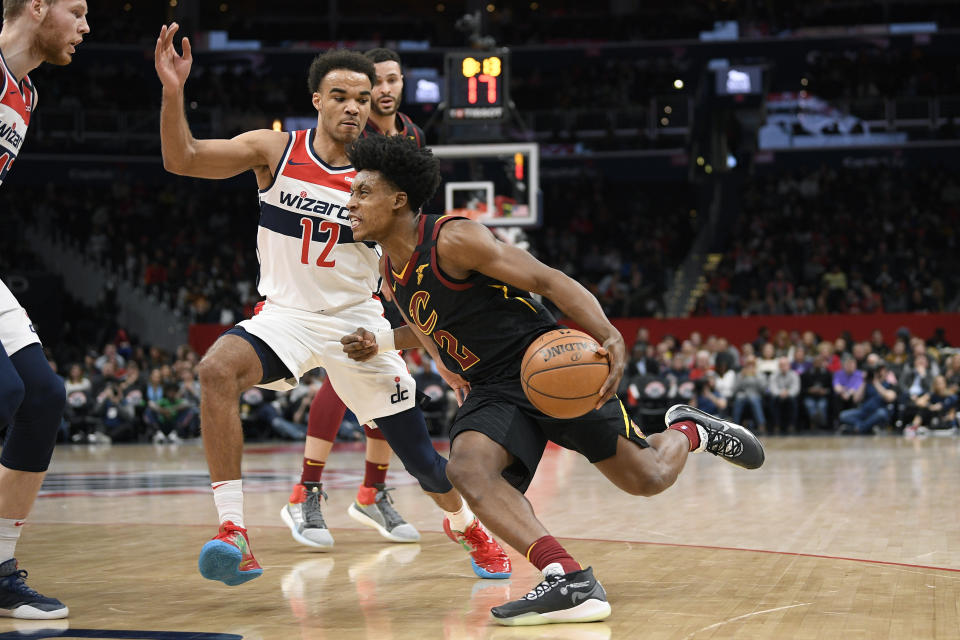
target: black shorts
<point>502,412</point>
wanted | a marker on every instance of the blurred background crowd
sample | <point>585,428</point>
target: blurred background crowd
<point>717,159</point>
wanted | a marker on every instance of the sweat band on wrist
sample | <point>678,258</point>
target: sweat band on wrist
<point>385,341</point>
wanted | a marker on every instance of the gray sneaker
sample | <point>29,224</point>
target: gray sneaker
<point>383,517</point>
<point>722,438</point>
<point>304,517</point>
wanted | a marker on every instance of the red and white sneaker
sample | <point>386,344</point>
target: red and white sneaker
<point>488,558</point>
<point>228,558</point>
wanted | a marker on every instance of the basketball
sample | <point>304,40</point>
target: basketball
<point>562,373</point>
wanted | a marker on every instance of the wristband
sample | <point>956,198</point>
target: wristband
<point>385,341</point>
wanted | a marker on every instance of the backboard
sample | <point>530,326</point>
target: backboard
<point>496,184</point>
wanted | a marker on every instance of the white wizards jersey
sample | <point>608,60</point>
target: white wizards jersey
<point>308,257</point>
<point>16,104</point>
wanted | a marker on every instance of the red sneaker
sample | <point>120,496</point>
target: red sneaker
<point>488,558</point>
<point>227,557</point>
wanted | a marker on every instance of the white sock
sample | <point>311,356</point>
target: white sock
<point>553,569</point>
<point>460,520</point>
<point>9,534</point>
<point>228,495</point>
<point>704,436</point>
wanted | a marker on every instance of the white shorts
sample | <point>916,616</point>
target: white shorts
<point>305,340</point>
<point>16,330</point>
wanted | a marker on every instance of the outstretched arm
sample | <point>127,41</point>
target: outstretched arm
<point>185,155</point>
<point>466,246</point>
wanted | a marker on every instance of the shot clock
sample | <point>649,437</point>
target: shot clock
<point>477,85</point>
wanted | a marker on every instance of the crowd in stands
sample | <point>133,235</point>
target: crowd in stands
<point>842,241</point>
<point>283,21</point>
<point>191,243</point>
<point>785,384</point>
<point>797,382</point>
<point>869,72</point>
<point>131,393</point>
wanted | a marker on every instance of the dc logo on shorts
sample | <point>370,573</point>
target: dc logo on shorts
<point>400,395</point>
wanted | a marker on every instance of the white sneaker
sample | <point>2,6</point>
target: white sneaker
<point>158,437</point>
<point>173,438</point>
<point>98,437</point>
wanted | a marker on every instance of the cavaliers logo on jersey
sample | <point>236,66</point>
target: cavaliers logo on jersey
<point>420,272</point>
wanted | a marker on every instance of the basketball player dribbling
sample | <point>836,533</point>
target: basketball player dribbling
<point>466,292</point>
<point>31,395</point>
<point>319,284</point>
<point>303,512</point>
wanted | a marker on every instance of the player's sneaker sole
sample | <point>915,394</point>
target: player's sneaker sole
<point>323,541</point>
<point>220,561</point>
<point>404,533</point>
<point>489,575</point>
<point>586,611</point>
<point>26,612</point>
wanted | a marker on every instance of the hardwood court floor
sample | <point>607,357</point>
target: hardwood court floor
<point>833,538</point>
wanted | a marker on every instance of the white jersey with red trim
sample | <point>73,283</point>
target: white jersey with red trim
<point>18,101</point>
<point>308,257</point>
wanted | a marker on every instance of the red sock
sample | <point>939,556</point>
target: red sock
<point>689,429</point>
<point>374,473</point>
<point>312,470</point>
<point>366,495</point>
<point>547,550</point>
<point>326,414</point>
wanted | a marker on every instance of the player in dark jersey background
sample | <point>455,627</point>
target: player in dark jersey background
<point>465,295</point>
<point>385,117</point>
<point>31,395</point>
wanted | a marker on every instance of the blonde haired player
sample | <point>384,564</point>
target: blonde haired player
<point>31,395</point>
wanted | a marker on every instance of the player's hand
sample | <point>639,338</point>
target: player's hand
<point>459,385</point>
<point>616,353</point>
<point>172,68</point>
<point>360,345</point>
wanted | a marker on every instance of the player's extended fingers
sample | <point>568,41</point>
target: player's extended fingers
<point>607,389</point>
<point>186,50</point>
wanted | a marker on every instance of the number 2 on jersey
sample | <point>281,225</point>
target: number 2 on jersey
<point>333,234</point>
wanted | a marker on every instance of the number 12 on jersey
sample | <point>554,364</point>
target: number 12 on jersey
<point>333,234</point>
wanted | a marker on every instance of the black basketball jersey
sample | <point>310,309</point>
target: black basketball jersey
<point>408,130</point>
<point>481,326</point>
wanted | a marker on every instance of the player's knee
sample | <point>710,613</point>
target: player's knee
<point>11,395</point>
<point>44,393</point>
<point>216,376</point>
<point>435,480</point>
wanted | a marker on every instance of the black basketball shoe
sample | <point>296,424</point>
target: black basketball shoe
<point>572,597</point>
<point>17,600</point>
<point>730,441</point>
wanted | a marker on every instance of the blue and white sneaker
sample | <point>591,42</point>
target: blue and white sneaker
<point>17,600</point>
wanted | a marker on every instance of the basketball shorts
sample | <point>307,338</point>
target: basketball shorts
<point>16,330</point>
<point>304,340</point>
<point>502,412</point>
